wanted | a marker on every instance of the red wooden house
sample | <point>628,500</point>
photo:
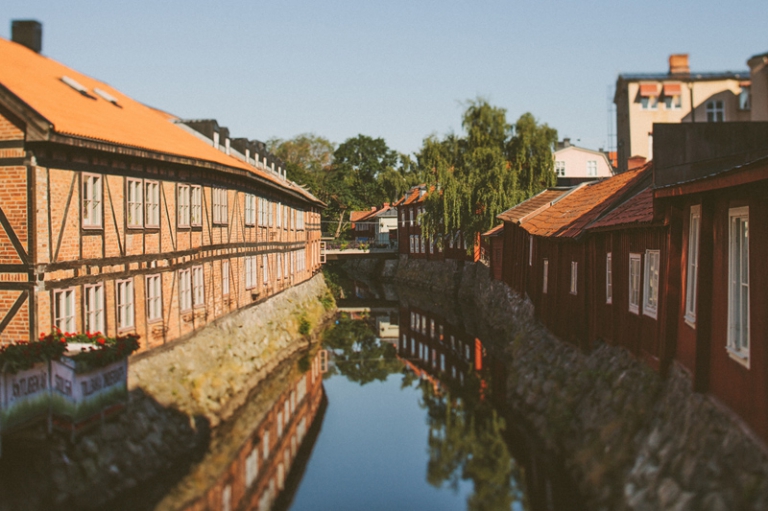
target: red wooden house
<point>711,182</point>
<point>414,244</point>
<point>553,268</point>
<point>492,250</point>
<point>626,274</point>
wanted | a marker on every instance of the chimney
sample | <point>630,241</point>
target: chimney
<point>28,33</point>
<point>678,64</point>
<point>566,142</point>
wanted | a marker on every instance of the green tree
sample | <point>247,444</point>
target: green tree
<point>358,355</point>
<point>474,178</point>
<point>307,158</point>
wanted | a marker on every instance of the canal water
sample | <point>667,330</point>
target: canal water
<point>399,408</point>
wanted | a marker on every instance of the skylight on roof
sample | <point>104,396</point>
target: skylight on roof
<point>75,85</point>
<point>106,95</point>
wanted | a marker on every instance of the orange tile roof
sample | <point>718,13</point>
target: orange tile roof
<point>412,196</point>
<point>495,231</point>
<point>568,217</point>
<point>37,81</point>
<point>528,206</point>
<point>636,211</point>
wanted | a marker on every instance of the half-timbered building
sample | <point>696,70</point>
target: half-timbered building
<point>120,218</point>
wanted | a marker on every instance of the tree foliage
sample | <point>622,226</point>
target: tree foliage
<point>491,168</point>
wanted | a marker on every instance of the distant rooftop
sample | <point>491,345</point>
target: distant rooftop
<point>686,77</point>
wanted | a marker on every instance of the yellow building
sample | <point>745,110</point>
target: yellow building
<point>679,95</point>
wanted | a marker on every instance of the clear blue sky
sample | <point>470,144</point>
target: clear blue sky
<point>397,69</point>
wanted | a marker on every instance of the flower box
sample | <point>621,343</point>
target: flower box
<point>78,395</point>
<point>24,395</point>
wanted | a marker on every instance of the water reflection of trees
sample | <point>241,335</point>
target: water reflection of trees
<point>358,354</point>
<point>467,441</point>
<point>466,435</point>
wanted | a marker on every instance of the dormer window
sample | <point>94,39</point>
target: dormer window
<point>672,96</point>
<point>715,111</point>
<point>649,96</point>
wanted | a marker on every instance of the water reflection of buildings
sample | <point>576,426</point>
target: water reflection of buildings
<point>258,477</point>
<point>428,344</point>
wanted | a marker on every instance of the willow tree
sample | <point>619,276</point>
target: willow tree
<point>494,166</point>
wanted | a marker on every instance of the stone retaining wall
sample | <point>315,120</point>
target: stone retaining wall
<point>631,440</point>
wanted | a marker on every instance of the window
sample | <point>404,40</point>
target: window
<point>715,111</point>
<point>279,214</point>
<point>198,289</point>
<point>530,250</point>
<point>412,243</point>
<point>183,201</point>
<point>608,278</point>
<point>225,278</point>
<point>154,298</point>
<point>410,212</point>
<point>634,283</point>
<point>250,272</point>
<point>219,206</point>
<point>265,269</point>
<point>91,200</point>
<point>672,102</point>
<point>574,277</point>
<point>649,102</point>
<point>185,290</point>
<point>279,273</point>
<point>251,466</point>
<point>93,296</point>
<point>546,275</point>
<point>738,288</point>
<point>300,220</point>
<point>592,168</point>
<point>692,273</point>
<point>135,203</point>
<point>250,209</point>
<point>124,292</point>
<point>560,168</point>
<point>64,310</point>
<point>651,283</point>
<point>153,204</point>
<point>196,207</point>
<point>744,103</point>
<point>421,243</point>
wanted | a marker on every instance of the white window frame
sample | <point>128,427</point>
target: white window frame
<point>692,266</point>
<point>198,286</point>
<point>651,283</point>
<point>134,203</point>
<point>153,286</point>
<point>738,346</point>
<point>265,269</point>
<point>591,168</point>
<point>649,102</point>
<point>635,271</point>
<point>92,201</point>
<point>250,272</point>
<point>250,210</point>
<point>185,290</point>
<point>64,310</point>
<point>560,168</point>
<point>574,278</point>
<point>530,250</point>
<point>609,277</point>
<point>219,201</point>
<point>545,272</point>
<point>196,206</point>
<point>715,110</point>
<point>184,208</point>
<point>673,102</point>
<point>225,278</point>
<point>124,302</point>
<point>152,203</point>
<point>93,308</point>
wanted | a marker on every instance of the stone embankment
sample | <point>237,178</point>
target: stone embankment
<point>177,395</point>
<point>630,439</point>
